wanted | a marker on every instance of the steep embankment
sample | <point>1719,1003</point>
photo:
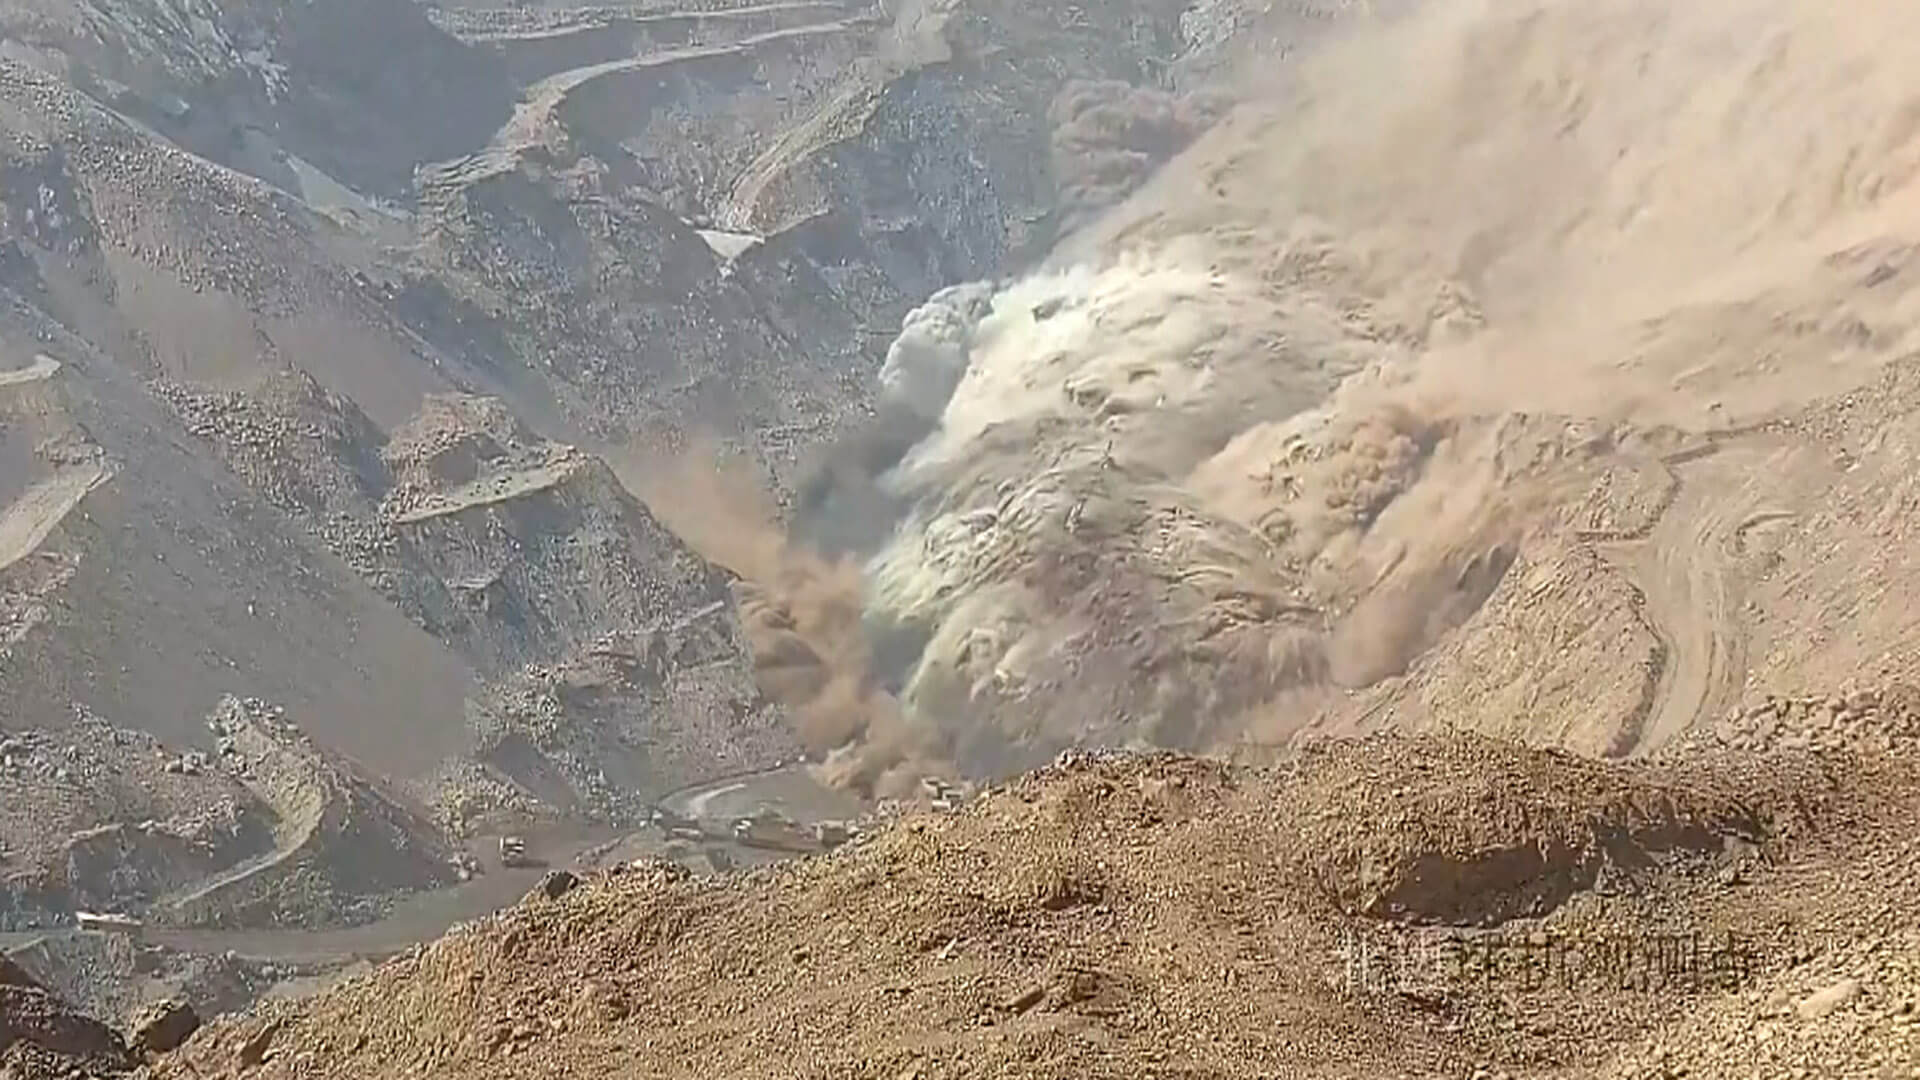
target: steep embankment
<point>343,844</point>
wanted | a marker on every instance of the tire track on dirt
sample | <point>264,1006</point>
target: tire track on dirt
<point>1686,574</point>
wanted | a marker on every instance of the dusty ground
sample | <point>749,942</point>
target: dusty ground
<point>1164,916</point>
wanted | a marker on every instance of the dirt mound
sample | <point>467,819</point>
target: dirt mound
<point>1477,832</point>
<point>1114,914</point>
<point>1869,719</point>
<point>302,448</point>
<point>41,1037</point>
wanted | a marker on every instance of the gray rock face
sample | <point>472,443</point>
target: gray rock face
<point>556,884</point>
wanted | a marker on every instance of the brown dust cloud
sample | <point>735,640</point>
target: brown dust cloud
<point>1267,425</point>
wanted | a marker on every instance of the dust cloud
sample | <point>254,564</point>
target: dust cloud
<point>1278,421</point>
<point>802,608</point>
<point>1109,137</point>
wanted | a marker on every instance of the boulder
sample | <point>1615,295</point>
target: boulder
<point>162,1026</point>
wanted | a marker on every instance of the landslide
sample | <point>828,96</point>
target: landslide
<point>1330,426</point>
<point>295,228</point>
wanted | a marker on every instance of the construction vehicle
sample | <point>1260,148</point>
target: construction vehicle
<point>513,852</point>
<point>101,923</point>
<point>831,834</point>
<point>941,795</point>
<point>674,827</point>
<point>773,830</point>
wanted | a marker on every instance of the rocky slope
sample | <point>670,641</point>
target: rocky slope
<point>112,819</point>
<point>316,325</point>
<point>42,1036</point>
<point>269,829</point>
<point>1130,916</point>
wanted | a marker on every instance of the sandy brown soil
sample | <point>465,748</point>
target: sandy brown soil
<point>1163,916</point>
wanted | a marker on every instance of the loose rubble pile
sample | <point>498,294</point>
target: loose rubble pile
<point>1864,719</point>
<point>42,1037</point>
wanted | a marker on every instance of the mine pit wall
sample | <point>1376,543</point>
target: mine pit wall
<point>635,714</point>
<point>381,89</point>
<point>339,843</point>
<point>534,55</point>
<point>686,129</point>
<point>121,868</point>
<point>561,566</point>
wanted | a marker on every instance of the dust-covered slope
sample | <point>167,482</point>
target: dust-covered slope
<point>1552,256</point>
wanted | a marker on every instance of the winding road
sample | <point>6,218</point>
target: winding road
<point>424,916</point>
<point>790,789</point>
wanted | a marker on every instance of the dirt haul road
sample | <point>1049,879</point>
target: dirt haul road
<point>792,790</point>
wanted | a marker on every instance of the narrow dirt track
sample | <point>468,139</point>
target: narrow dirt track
<point>25,524</point>
<point>425,916</point>
<point>43,367</point>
